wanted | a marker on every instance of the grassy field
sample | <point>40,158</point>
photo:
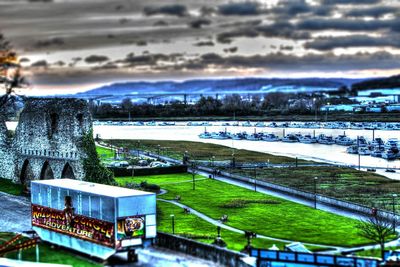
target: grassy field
<point>48,254</point>
<point>9,187</point>
<point>193,227</point>
<point>106,155</point>
<point>348,184</point>
<point>263,214</point>
<point>343,183</point>
<point>203,151</point>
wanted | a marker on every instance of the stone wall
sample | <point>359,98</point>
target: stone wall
<point>220,256</point>
<point>47,142</point>
<point>7,167</point>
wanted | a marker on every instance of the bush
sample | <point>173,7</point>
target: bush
<point>95,171</point>
<point>150,187</point>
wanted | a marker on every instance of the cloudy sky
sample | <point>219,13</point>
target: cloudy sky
<point>76,44</point>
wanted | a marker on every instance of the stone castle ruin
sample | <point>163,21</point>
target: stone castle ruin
<point>47,143</point>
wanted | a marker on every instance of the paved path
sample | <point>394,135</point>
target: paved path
<point>15,213</point>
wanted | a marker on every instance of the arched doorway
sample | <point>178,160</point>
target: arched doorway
<point>47,172</point>
<point>68,172</point>
<point>26,175</point>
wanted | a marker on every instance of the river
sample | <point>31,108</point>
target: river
<point>322,153</point>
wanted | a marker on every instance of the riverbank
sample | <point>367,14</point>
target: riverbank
<point>321,116</point>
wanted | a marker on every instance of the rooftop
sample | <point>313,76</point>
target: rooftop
<point>93,188</point>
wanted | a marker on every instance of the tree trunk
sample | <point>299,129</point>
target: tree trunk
<point>382,249</point>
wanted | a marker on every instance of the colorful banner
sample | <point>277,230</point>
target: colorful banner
<point>131,227</point>
<point>65,222</point>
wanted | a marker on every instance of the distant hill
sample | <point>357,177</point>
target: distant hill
<point>221,86</point>
<point>378,83</point>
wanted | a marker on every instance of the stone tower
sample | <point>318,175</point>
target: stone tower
<point>48,140</point>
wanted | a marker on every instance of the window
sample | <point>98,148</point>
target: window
<point>53,123</point>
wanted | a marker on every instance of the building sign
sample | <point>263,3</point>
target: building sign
<point>66,222</point>
<point>130,227</point>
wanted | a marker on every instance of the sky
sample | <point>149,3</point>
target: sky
<point>75,45</point>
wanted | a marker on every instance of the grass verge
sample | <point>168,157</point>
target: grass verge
<point>9,187</point>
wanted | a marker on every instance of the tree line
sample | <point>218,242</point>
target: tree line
<point>276,103</point>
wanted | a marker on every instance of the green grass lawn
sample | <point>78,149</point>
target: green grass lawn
<point>349,184</point>
<point>193,227</point>
<point>48,254</point>
<point>105,153</point>
<point>9,187</point>
<point>263,214</point>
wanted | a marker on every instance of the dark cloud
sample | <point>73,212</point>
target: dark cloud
<point>286,47</point>
<point>96,59</point>
<point>40,63</point>
<point>325,10</point>
<point>207,11</point>
<point>198,23</point>
<point>173,10</point>
<point>376,11</point>
<point>54,41</point>
<point>204,43</point>
<point>242,23</point>
<point>349,2</point>
<point>314,62</point>
<point>108,66</point>
<point>149,59</point>
<point>141,43</point>
<point>293,7</point>
<point>231,49</point>
<point>287,9</point>
<point>59,63</point>
<point>316,24</point>
<point>329,43</point>
<point>226,37</point>
<point>240,9</point>
<point>282,29</point>
<point>160,23</point>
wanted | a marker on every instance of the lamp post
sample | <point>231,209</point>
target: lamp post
<point>173,223</point>
<point>255,179</point>
<point>358,152</point>
<point>185,158</point>
<point>137,147</point>
<point>315,192</point>
<point>394,212</point>
<point>193,175</point>
<point>212,166</point>
<point>158,151</point>
<point>315,108</point>
<point>327,110</point>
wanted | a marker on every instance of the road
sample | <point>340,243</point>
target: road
<point>15,213</point>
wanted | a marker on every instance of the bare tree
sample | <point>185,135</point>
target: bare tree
<point>378,228</point>
<point>194,169</point>
<point>10,73</point>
